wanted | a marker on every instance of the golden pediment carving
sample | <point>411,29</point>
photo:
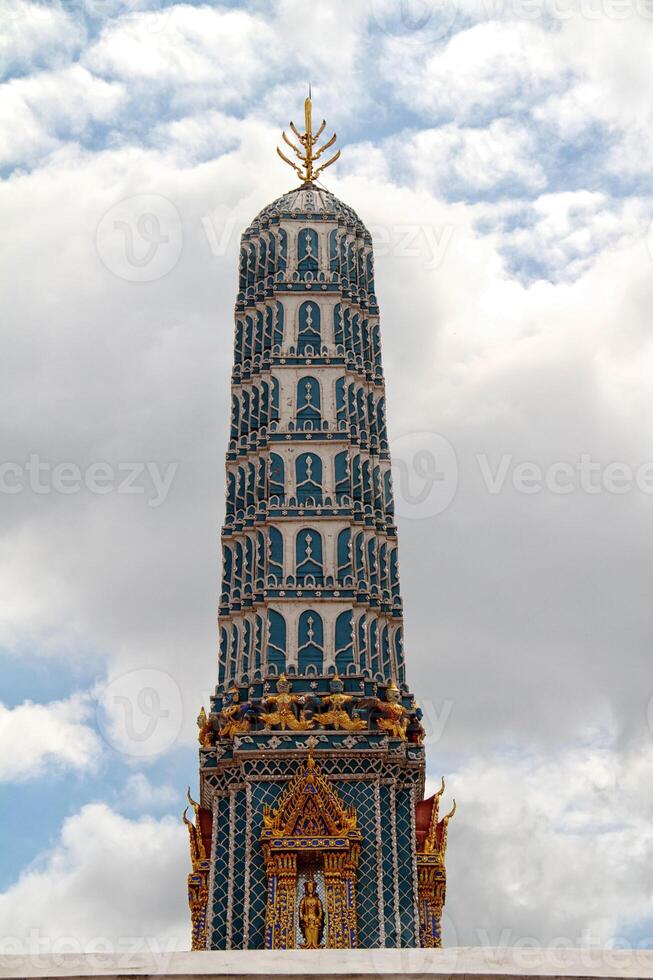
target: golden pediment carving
<point>310,806</point>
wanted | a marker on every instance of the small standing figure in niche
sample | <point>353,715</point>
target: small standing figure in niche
<point>311,916</point>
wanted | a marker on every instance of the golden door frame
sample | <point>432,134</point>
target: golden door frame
<point>310,829</point>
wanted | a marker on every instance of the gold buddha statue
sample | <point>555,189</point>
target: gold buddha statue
<point>311,916</point>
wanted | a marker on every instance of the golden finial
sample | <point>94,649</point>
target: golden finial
<point>433,825</point>
<point>306,151</point>
<point>310,762</point>
<point>197,849</point>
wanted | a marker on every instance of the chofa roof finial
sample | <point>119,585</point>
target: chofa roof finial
<point>306,152</point>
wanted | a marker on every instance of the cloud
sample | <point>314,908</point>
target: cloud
<point>479,73</point>
<point>557,832</point>
<point>40,738</point>
<point>560,235</point>
<point>38,112</point>
<point>196,55</point>
<point>67,900</point>
<point>36,36</point>
<point>458,161</point>
<point>140,794</point>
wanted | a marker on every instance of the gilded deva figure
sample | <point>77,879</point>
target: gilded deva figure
<point>231,717</point>
<point>394,717</point>
<point>283,704</point>
<point>338,714</point>
<point>205,734</point>
<point>311,916</point>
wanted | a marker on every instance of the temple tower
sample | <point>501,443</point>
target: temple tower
<point>311,829</point>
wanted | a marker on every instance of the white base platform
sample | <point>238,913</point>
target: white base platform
<point>391,964</point>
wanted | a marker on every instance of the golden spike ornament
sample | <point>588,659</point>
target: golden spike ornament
<point>198,879</point>
<point>306,152</point>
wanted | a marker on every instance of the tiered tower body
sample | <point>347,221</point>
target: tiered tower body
<point>311,762</point>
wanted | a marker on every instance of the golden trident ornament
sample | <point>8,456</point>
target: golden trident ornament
<point>306,151</point>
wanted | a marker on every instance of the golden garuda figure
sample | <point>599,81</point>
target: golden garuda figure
<point>394,717</point>
<point>311,916</point>
<point>232,719</point>
<point>284,705</point>
<point>338,715</point>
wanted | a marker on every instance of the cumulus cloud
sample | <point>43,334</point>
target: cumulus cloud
<point>36,35</point>
<point>561,234</point>
<point>38,738</point>
<point>109,883</point>
<point>40,111</point>
<point>457,161</point>
<point>142,795</point>
<point>555,831</point>
<point>200,54</point>
<point>479,72</point>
